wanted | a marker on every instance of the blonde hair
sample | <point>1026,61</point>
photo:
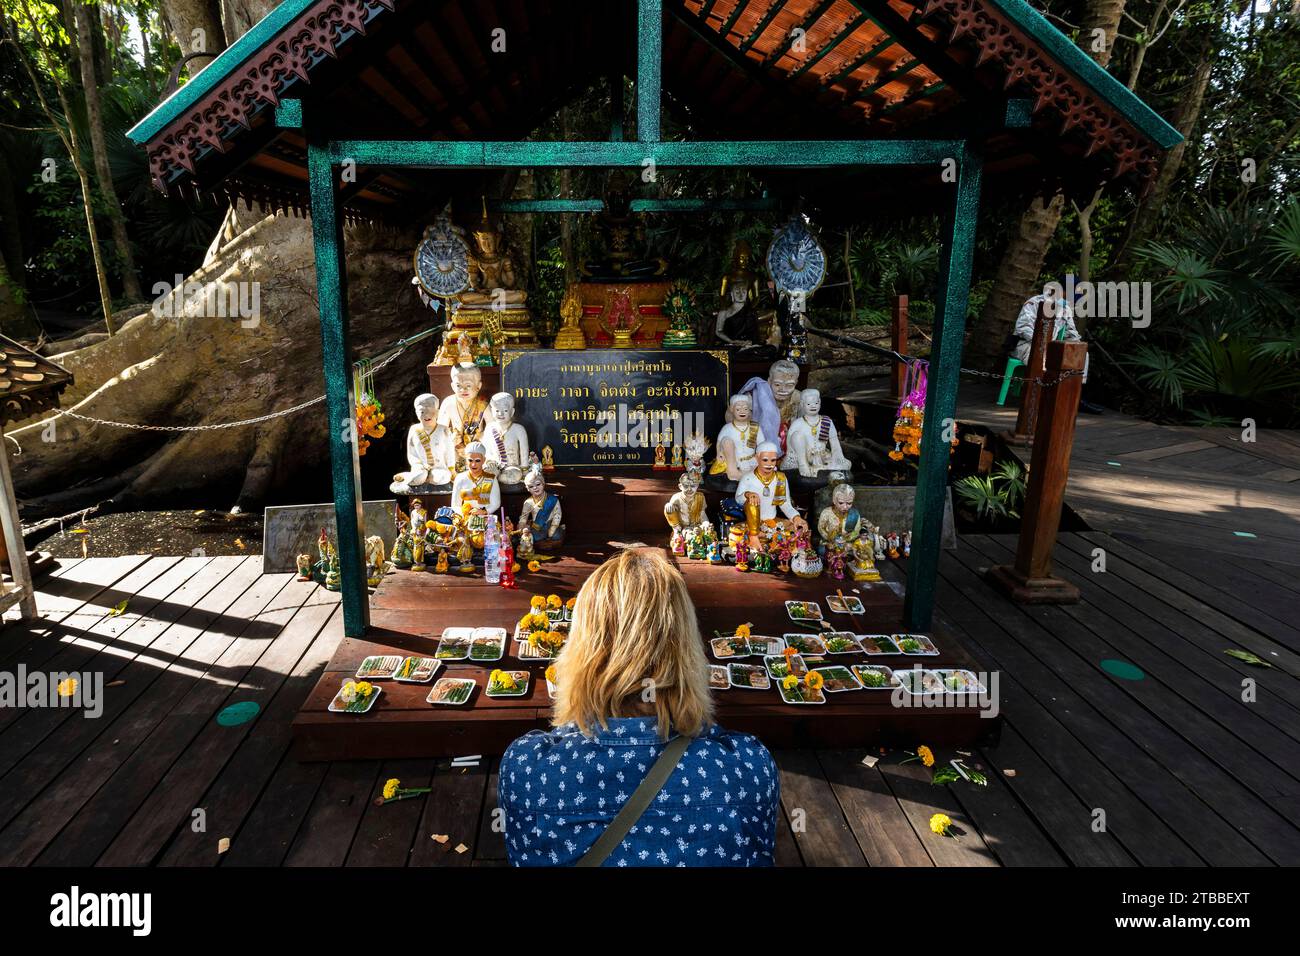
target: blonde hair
<point>633,624</point>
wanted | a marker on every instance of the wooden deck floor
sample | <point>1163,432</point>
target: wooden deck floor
<point>1175,766</point>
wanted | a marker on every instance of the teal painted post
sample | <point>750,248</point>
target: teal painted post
<point>649,65</point>
<point>336,357</point>
<point>941,394</point>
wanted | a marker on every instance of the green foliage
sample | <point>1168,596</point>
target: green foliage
<point>995,496</point>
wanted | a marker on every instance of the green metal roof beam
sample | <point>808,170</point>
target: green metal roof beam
<point>887,79</point>
<point>740,8</point>
<point>914,97</point>
<point>217,70</point>
<point>808,23</point>
<point>757,204</point>
<point>859,60</point>
<point>766,21</point>
<point>766,153</point>
<point>831,44</point>
<point>1089,71</point>
<point>649,67</point>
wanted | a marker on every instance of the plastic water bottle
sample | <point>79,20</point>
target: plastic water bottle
<point>492,551</point>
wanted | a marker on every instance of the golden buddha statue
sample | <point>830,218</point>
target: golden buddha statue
<point>493,301</point>
<point>570,335</point>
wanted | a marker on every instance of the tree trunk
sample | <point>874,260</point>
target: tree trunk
<point>99,149</point>
<point>1185,118</point>
<point>188,16</point>
<point>1018,272</point>
<point>238,15</point>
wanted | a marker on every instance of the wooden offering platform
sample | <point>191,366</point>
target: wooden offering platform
<point>409,611</point>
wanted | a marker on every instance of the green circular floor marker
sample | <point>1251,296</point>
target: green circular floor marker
<point>237,714</point>
<point>1122,669</point>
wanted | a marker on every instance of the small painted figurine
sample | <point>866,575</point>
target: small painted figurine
<point>907,544</point>
<point>685,511</point>
<point>839,525</point>
<point>892,544</point>
<point>525,542</point>
<point>861,559</point>
<point>419,519</point>
<point>696,446</point>
<point>304,567</point>
<point>506,441</point>
<point>548,458</point>
<point>812,444</point>
<point>677,464</point>
<point>541,513</point>
<point>660,454</point>
<point>429,450</point>
<point>375,560</point>
<point>765,495</point>
<point>475,494</point>
<point>329,562</point>
<point>401,555</point>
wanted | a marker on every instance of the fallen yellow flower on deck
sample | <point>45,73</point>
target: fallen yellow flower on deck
<point>390,788</point>
<point>941,823</point>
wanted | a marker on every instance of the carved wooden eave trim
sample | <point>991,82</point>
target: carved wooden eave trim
<point>258,82</point>
<point>1029,67</point>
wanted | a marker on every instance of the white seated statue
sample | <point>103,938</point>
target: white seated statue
<point>506,441</point>
<point>738,440</point>
<point>812,445</point>
<point>429,450</point>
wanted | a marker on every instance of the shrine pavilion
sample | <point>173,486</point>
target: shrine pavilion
<point>382,110</point>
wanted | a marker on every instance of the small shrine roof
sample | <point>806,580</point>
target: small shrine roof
<point>995,70</point>
<point>29,382</point>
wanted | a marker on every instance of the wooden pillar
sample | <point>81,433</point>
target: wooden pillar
<point>941,393</point>
<point>336,356</point>
<point>898,335</point>
<point>1031,389</point>
<point>12,529</point>
<point>1030,580</point>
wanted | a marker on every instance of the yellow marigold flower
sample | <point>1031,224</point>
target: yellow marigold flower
<point>390,788</point>
<point>926,755</point>
<point>364,688</point>
<point>534,565</point>
<point>939,823</point>
<point>570,603</point>
<point>553,600</point>
<point>67,687</point>
<point>896,455</point>
<point>814,680</point>
<point>536,600</point>
<point>789,682</point>
<point>550,673</point>
<point>743,630</point>
<point>540,620</point>
<point>554,638</point>
<point>492,677</point>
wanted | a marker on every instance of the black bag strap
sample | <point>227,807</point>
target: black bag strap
<point>637,804</point>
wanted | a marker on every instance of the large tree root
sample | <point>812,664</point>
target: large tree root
<point>200,369</point>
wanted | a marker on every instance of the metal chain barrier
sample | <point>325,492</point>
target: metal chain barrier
<point>400,348</point>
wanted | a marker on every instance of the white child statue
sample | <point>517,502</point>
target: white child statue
<point>506,441</point>
<point>812,444</point>
<point>737,440</point>
<point>685,511</point>
<point>429,450</point>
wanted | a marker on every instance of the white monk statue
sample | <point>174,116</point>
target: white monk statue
<point>765,495</point>
<point>462,412</point>
<point>775,400</point>
<point>812,445</point>
<point>506,441</point>
<point>475,494</point>
<point>429,450</point>
<point>737,440</point>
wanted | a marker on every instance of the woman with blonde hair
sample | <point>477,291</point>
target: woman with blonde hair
<point>635,772</point>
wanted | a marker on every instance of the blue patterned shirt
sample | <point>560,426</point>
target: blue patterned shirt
<point>560,790</point>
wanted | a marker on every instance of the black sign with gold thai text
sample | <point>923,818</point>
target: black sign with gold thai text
<point>612,407</point>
